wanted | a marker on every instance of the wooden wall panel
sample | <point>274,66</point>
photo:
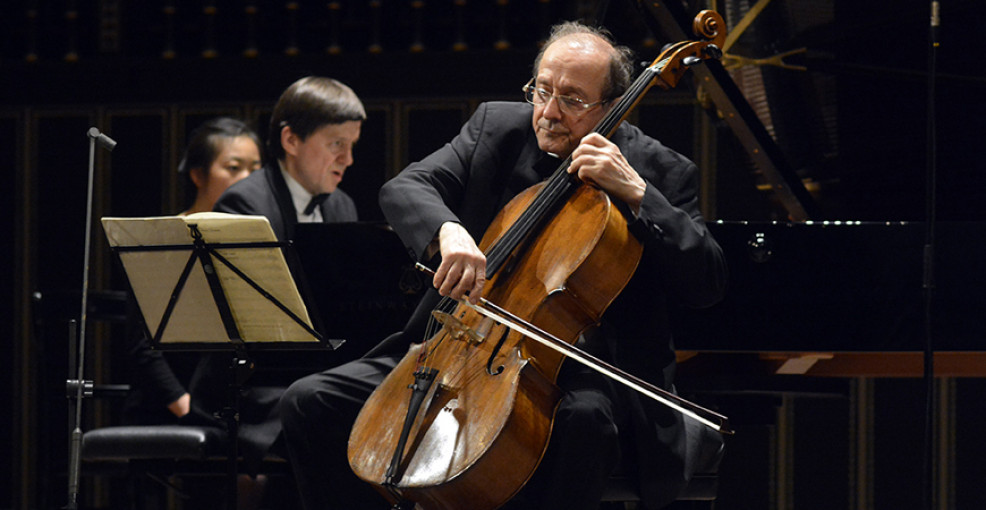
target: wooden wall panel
<point>970,449</point>
<point>372,158</point>
<point>139,164</point>
<point>11,155</point>
<point>428,126</point>
<point>58,171</point>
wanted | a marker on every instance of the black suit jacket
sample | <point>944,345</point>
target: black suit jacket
<point>265,193</point>
<point>496,156</point>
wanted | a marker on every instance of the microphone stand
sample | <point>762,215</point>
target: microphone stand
<point>79,384</point>
<point>929,265</point>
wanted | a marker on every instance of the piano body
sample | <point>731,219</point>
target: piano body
<point>845,299</point>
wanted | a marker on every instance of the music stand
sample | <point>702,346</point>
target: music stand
<point>360,280</point>
<point>214,281</point>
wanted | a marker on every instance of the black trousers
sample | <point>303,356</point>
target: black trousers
<point>317,413</point>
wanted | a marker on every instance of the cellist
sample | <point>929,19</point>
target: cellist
<point>442,205</point>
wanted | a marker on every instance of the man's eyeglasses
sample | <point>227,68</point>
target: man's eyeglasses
<point>569,105</point>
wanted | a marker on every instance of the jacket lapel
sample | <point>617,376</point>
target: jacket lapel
<point>285,205</point>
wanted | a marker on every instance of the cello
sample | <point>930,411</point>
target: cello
<point>477,397</point>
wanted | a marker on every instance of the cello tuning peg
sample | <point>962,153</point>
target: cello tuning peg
<point>713,51</point>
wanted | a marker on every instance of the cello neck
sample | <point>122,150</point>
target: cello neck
<point>560,186</point>
<point>665,71</point>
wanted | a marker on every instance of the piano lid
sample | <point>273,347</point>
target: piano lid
<point>830,102</point>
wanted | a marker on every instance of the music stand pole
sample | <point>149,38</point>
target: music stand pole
<point>79,383</point>
<point>928,278</point>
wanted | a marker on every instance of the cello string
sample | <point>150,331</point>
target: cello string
<point>556,190</point>
<point>546,201</point>
<point>522,227</point>
<point>559,184</point>
<point>446,304</point>
<point>469,366</point>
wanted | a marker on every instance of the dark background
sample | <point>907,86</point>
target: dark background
<point>853,127</point>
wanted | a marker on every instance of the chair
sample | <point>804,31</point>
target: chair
<point>158,452</point>
<point>139,452</point>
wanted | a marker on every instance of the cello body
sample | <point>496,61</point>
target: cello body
<point>479,436</point>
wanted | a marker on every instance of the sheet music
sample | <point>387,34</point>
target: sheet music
<point>195,318</point>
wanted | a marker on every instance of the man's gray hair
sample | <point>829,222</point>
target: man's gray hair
<point>621,58</point>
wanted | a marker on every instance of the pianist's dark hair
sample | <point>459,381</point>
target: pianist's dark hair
<point>621,58</point>
<point>307,105</point>
<point>204,144</point>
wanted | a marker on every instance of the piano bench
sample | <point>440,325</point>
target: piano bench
<point>141,442</point>
<point>158,452</point>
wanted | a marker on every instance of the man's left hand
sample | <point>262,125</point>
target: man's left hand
<point>599,161</point>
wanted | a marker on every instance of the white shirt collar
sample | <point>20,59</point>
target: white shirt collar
<point>300,198</point>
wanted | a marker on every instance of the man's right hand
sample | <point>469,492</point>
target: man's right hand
<point>463,268</point>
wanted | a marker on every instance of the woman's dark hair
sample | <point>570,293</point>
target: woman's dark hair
<point>307,105</point>
<point>204,144</point>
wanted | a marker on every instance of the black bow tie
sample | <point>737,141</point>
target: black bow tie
<point>315,202</point>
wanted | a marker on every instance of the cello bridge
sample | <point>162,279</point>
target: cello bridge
<point>457,329</point>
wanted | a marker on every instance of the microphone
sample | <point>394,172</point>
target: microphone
<point>107,142</point>
<point>78,384</point>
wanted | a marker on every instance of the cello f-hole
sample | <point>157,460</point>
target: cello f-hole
<point>489,362</point>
